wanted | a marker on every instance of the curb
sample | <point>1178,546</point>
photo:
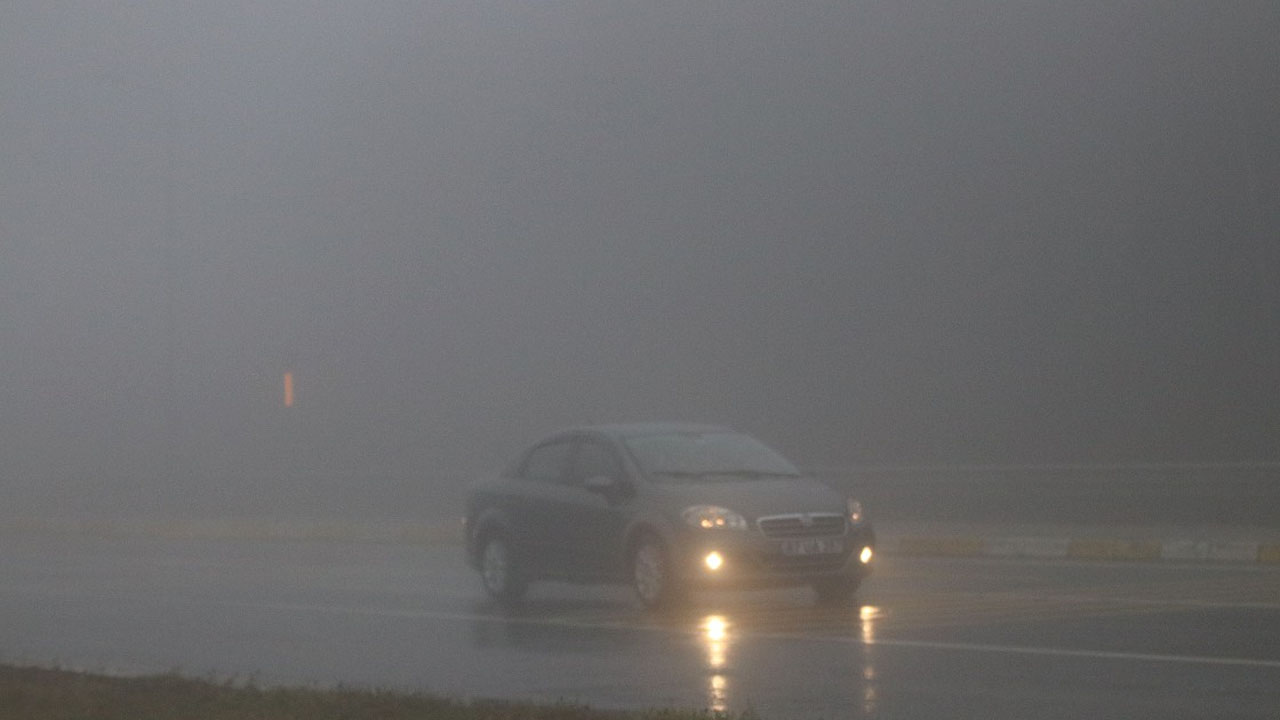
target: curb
<point>443,533</point>
<point>1099,549</point>
<point>249,529</point>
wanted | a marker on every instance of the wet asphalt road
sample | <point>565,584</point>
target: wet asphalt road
<point>930,639</point>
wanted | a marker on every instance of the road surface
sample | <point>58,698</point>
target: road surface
<point>931,638</point>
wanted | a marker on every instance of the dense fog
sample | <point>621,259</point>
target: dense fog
<point>873,234</point>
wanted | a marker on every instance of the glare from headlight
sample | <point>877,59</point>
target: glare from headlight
<point>714,560</point>
<point>710,517</point>
<point>866,555</point>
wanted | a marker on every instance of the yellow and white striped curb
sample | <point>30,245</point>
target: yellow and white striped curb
<point>259,529</point>
<point>1104,549</point>
<point>960,546</point>
<point>443,532</point>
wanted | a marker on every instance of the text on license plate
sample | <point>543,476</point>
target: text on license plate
<point>813,546</point>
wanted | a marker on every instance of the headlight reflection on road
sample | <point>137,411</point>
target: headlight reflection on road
<point>868,615</point>
<point>719,694</point>
<point>715,634</point>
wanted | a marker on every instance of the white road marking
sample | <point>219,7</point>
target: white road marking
<point>1169,603</point>
<point>1069,653</point>
<point>888,560</point>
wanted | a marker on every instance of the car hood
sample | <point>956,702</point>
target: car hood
<point>753,498</point>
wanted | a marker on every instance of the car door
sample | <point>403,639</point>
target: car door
<point>596,515</point>
<point>533,506</point>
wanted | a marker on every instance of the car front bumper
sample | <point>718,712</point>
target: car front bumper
<point>750,559</point>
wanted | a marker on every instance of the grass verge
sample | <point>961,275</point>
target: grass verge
<point>27,693</point>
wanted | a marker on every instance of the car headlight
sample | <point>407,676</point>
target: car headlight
<point>710,517</point>
<point>856,514</point>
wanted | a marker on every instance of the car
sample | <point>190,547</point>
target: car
<point>667,508</point>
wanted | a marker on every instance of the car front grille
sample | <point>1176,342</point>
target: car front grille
<point>802,525</point>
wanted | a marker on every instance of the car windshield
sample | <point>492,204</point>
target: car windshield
<point>698,456</point>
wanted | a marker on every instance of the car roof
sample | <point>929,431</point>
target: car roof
<point>627,430</point>
<point>618,432</point>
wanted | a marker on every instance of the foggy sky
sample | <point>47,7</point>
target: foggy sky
<point>870,233</point>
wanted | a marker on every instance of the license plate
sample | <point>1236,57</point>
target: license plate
<point>813,546</point>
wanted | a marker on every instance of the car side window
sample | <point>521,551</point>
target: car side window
<point>595,459</point>
<point>548,463</point>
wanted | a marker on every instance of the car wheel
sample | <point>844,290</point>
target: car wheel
<point>500,571</point>
<point>652,576</point>
<point>836,591</point>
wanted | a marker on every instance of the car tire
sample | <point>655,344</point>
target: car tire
<point>836,591</point>
<point>500,571</point>
<point>652,576</point>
